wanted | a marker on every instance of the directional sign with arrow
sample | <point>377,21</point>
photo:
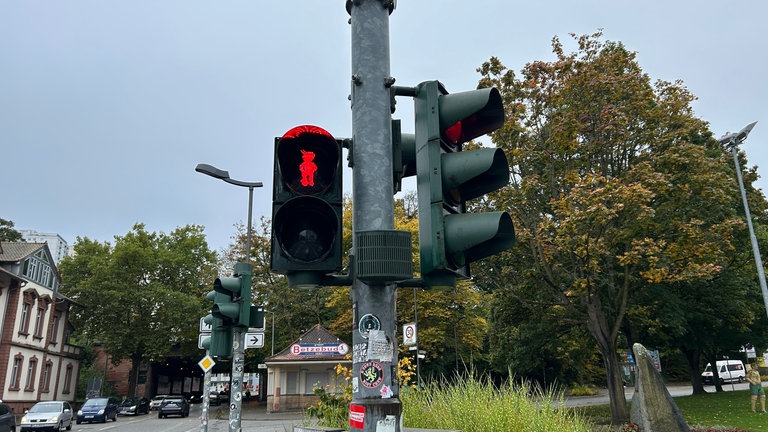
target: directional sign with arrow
<point>254,340</point>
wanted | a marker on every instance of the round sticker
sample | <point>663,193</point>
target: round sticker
<point>367,323</point>
<point>371,374</point>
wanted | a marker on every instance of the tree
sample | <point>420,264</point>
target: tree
<point>143,297</point>
<point>602,206</point>
<point>7,233</point>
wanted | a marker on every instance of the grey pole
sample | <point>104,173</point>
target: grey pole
<point>752,238</point>
<point>731,141</point>
<point>374,356</point>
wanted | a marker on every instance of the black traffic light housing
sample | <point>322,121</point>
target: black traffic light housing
<point>306,206</point>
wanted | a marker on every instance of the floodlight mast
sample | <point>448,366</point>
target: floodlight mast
<point>731,142</point>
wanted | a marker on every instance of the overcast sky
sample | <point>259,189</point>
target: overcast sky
<point>107,106</point>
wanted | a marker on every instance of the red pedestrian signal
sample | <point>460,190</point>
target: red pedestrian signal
<point>306,205</point>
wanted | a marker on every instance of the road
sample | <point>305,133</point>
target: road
<point>675,390</point>
<point>254,420</point>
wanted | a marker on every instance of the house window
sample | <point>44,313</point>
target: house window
<point>54,329</point>
<point>16,371</point>
<point>24,323</point>
<point>67,379</point>
<point>31,370</point>
<point>39,323</point>
<point>45,382</point>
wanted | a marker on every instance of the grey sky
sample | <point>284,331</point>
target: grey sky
<point>107,106</point>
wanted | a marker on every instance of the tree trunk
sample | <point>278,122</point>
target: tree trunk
<point>693,356</point>
<point>134,375</point>
<point>598,327</point>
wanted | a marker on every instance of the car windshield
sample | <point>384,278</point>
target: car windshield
<point>130,402</point>
<point>95,402</point>
<point>46,407</point>
<point>158,397</point>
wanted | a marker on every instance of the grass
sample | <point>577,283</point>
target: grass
<point>476,405</point>
<point>724,411</point>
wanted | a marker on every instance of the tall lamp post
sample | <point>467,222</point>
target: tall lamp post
<point>224,175</point>
<point>238,336</point>
<point>731,142</point>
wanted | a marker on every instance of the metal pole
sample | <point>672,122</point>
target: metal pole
<point>206,399</point>
<point>273,333</point>
<point>375,400</point>
<point>416,323</point>
<point>752,238</point>
<point>248,235</point>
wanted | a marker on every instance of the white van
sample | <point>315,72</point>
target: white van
<point>728,370</point>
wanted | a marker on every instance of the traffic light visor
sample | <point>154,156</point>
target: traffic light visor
<point>470,114</point>
<point>308,158</point>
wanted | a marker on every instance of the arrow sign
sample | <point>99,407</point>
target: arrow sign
<point>254,340</point>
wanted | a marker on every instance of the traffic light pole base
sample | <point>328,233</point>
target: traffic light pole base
<point>380,415</point>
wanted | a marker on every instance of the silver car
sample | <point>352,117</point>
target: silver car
<point>48,415</point>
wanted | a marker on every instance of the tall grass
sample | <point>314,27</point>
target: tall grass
<point>474,404</point>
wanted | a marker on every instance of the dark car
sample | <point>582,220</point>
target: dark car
<point>98,410</point>
<point>7,419</point>
<point>174,405</point>
<point>134,406</point>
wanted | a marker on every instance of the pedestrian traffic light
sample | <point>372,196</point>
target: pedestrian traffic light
<point>219,342</point>
<point>306,206</point>
<point>234,304</point>
<point>447,177</point>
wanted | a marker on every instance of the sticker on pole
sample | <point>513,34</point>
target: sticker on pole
<point>356,416</point>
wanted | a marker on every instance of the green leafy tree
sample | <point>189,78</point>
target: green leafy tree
<point>142,297</point>
<point>601,204</point>
<point>7,233</point>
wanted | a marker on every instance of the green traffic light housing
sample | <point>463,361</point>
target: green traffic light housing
<point>219,343</point>
<point>449,237</point>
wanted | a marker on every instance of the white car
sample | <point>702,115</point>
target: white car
<point>53,415</point>
<point>156,401</point>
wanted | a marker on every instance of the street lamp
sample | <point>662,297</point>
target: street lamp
<point>273,330</point>
<point>731,142</point>
<point>224,175</point>
<point>238,336</point>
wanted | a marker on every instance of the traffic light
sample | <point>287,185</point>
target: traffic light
<point>233,305</point>
<point>219,343</point>
<point>306,206</point>
<point>447,177</point>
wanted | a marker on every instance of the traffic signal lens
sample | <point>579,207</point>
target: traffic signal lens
<point>306,227</point>
<point>308,158</point>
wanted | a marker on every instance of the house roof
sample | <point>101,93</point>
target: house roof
<point>317,344</point>
<point>17,251</point>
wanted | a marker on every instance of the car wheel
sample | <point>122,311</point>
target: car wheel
<point>77,421</point>
<point>69,426</point>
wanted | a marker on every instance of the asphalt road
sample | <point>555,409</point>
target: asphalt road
<point>675,390</point>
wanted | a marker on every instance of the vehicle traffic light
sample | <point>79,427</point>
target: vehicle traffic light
<point>234,304</point>
<point>219,342</point>
<point>306,206</point>
<point>447,177</point>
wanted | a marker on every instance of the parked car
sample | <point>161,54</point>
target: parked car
<point>98,410</point>
<point>728,370</point>
<point>8,419</point>
<point>174,405</point>
<point>48,415</point>
<point>134,406</point>
<point>156,401</point>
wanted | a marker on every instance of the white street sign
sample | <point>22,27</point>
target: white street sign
<point>254,340</point>
<point>204,327</point>
<point>409,334</point>
<point>200,338</point>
